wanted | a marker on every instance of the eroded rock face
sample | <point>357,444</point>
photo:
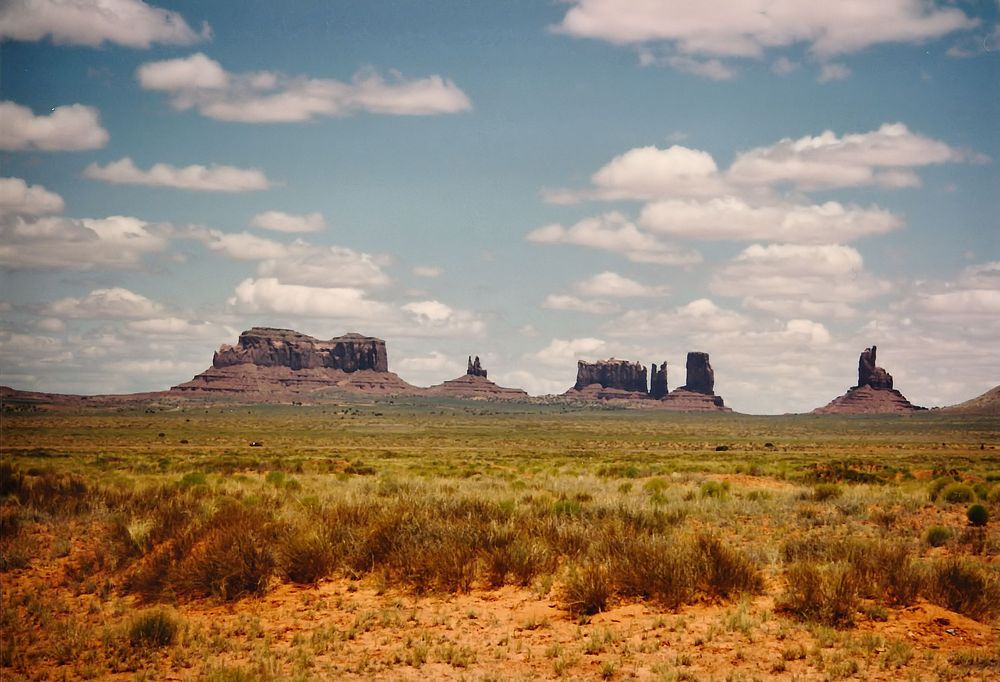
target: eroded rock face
<point>700,376</point>
<point>871,375</point>
<point>268,347</point>
<point>658,381</point>
<point>475,369</point>
<point>616,374</point>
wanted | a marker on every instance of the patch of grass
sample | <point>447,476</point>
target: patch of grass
<point>822,593</point>
<point>958,493</point>
<point>826,491</point>
<point>936,536</point>
<point>153,629</point>
<point>964,585</point>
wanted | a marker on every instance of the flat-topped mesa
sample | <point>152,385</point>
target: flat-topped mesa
<point>475,369</point>
<point>658,381</point>
<point>871,375</point>
<point>616,374</point>
<point>268,347</point>
<point>700,376</point>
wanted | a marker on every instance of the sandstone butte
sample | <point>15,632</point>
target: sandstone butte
<point>874,393</point>
<point>622,380</point>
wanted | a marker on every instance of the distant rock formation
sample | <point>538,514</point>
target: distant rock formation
<point>658,381</point>
<point>475,369</point>
<point>874,393</point>
<point>273,363</point>
<point>869,374</point>
<point>698,392</point>
<point>620,375</point>
<point>700,375</point>
<point>474,384</point>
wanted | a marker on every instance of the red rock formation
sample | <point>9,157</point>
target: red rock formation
<point>658,381</point>
<point>271,364</point>
<point>874,393</point>
<point>700,375</point>
<point>475,368</point>
<point>476,387</point>
<point>620,375</point>
<point>683,400</point>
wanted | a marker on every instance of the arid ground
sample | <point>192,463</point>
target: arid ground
<point>424,539</point>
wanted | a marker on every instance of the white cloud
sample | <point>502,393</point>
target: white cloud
<point>792,273</point>
<point>829,161</point>
<point>73,127</point>
<point>435,363</point>
<point>713,69</point>
<point>197,72</point>
<point>240,245</point>
<point>700,316</point>
<point>612,284</point>
<point>651,172</point>
<point>102,304</point>
<point>131,23</point>
<point>800,307</point>
<point>287,222</point>
<point>50,325</point>
<point>269,296</point>
<point>268,97</point>
<point>180,328</point>
<point>325,266</point>
<point>429,271</point>
<point>579,305</point>
<point>730,217</point>
<point>19,198</point>
<point>565,352</point>
<point>436,318</point>
<point>615,233</point>
<point>833,72</point>
<point>214,178</point>
<point>86,244</point>
<point>747,28</point>
<point>784,66</point>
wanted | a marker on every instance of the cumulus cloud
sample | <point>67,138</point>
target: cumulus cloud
<point>201,83</point>
<point>748,28</point>
<point>131,23</point>
<point>287,222</point>
<point>579,305</point>
<point>786,274</point>
<point>731,217</point>
<point>615,233</point>
<point>180,328</point>
<point>269,295</point>
<point>884,157</point>
<point>118,242</point>
<point>102,304</point>
<point>563,352</point>
<point>19,198</point>
<point>614,285</point>
<point>429,271</point>
<point>435,362</point>
<point>213,178</point>
<point>436,318</point>
<point>73,127</point>
<point>697,317</point>
<point>825,161</point>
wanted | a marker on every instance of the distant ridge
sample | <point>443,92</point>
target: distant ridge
<point>988,404</point>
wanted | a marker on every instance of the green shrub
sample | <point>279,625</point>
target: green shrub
<point>725,571</point>
<point>155,628</point>
<point>192,479</point>
<point>827,491</point>
<point>937,485</point>
<point>937,535</point>
<point>958,493</point>
<point>306,555</point>
<point>276,478</point>
<point>977,515</point>
<point>715,489</point>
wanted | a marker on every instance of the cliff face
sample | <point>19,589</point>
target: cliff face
<point>871,375</point>
<point>267,347</point>
<point>658,381</point>
<point>617,374</point>
<point>700,375</point>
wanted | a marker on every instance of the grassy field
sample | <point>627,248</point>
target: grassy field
<point>414,539</point>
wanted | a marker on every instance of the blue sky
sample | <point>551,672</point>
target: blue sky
<point>779,184</point>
